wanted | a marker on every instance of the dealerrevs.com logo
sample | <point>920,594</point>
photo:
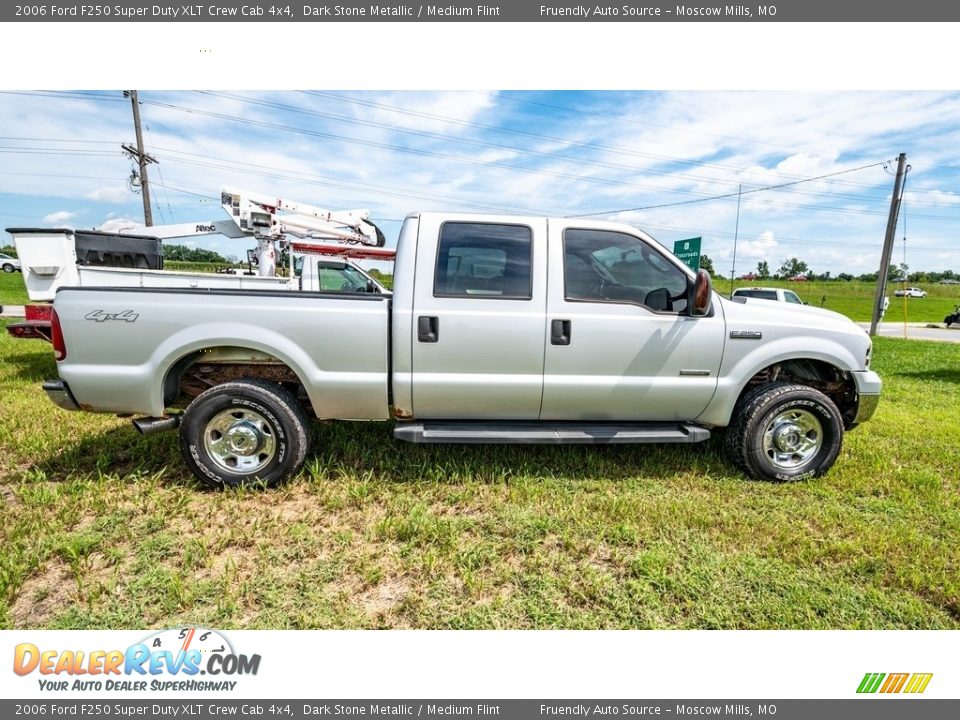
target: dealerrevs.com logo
<point>889,683</point>
<point>180,659</point>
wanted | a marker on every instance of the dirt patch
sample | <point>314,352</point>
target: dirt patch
<point>8,496</point>
<point>43,595</point>
<point>381,599</point>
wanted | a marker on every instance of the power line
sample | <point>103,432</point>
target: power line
<point>526,150</point>
<point>103,97</point>
<point>735,194</point>
<point>160,175</point>
<point>486,144</point>
<point>429,153</point>
<point>68,95</point>
<point>499,128</point>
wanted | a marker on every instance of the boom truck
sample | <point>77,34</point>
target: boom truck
<point>499,329</point>
<point>325,241</point>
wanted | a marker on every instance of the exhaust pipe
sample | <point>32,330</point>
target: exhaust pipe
<point>151,425</point>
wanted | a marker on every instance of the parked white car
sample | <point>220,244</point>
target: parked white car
<point>9,264</point>
<point>769,293</point>
<point>911,292</point>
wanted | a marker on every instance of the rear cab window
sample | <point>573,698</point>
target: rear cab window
<point>484,260</point>
<point>759,294</point>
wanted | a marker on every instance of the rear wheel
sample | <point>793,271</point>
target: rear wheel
<point>785,432</point>
<point>247,432</point>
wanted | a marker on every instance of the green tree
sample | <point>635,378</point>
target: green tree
<point>9,250</point>
<point>189,254</point>
<point>897,273</point>
<point>763,269</point>
<point>707,264</point>
<point>793,266</point>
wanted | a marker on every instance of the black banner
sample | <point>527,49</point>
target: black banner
<point>514,11</point>
<point>873,708</point>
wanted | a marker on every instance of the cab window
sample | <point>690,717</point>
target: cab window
<point>334,277</point>
<point>792,298</point>
<point>608,266</point>
<point>484,260</point>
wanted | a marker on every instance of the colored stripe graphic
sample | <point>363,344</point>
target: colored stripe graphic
<point>870,682</point>
<point>894,683</point>
<point>918,683</point>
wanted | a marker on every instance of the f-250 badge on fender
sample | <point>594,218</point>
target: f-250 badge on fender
<point>101,316</point>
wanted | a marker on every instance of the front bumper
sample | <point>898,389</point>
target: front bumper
<point>868,394</point>
<point>60,395</point>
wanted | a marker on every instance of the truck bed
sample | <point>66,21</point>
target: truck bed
<point>123,343</point>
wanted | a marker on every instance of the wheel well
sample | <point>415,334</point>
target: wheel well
<point>836,384</point>
<point>203,369</point>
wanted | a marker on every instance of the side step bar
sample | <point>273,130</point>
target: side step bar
<point>556,433</point>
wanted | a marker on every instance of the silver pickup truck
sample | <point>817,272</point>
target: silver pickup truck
<point>500,329</point>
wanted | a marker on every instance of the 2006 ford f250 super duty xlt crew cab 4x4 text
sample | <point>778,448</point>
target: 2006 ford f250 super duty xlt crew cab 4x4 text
<point>500,329</point>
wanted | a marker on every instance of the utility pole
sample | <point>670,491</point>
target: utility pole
<point>736,233</point>
<point>888,243</point>
<point>142,158</point>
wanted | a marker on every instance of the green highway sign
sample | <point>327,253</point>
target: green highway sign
<point>688,251</point>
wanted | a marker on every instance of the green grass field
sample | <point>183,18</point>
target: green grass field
<point>102,528</point>
<point>855,299</point>
<point>12,291</point>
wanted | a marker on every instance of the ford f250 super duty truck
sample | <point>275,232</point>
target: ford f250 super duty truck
<point>500,329</point>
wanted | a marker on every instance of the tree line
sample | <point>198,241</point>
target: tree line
<point>793,267</point>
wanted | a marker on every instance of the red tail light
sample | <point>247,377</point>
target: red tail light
<point>56,337</point>
<point>38,312</point>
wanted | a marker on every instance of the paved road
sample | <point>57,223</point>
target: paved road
<point>917,331</point>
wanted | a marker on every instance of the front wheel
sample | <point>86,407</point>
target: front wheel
<point>247,432</point>
<point>8,268</point>
<point>785,432</point>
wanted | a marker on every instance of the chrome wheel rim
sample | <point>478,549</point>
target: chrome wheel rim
<point>792,439</point>
<point>240,441</point>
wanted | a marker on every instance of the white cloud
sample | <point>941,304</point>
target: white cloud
<point>60,216</point>
<point>111,193</point>
<point>117,224</point>
<point>761,248</point>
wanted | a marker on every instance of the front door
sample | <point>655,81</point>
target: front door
<point>620,345</point>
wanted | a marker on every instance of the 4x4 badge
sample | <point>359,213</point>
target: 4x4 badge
<point>101,316</point>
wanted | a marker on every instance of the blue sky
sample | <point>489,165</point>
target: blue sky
<point>545,153</point>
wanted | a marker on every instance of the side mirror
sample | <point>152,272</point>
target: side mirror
<point>702,294</point>
<point>371,286</point>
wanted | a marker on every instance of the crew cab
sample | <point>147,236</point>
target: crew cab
<point>499,329</point>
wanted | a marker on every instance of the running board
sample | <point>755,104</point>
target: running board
<point>559,433</point>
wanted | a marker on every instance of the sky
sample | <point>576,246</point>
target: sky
<point>655,160</point>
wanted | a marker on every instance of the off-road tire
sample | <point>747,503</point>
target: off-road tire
<point>283,418</point>
<point>755,412</point>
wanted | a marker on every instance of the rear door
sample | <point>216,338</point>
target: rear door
<point>478,318</point>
